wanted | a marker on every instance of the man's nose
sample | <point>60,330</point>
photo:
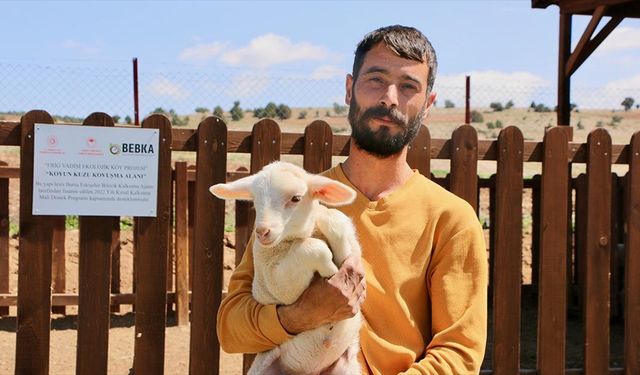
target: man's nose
<point>390,96</point>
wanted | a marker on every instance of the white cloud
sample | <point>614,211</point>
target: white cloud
<point>271,49</point>
<point>202,52</point>
<point>328,72</point>
<point>164,87</point>
<point>246,85</point>
<point>620,39</point>
<point>81,47</point>
<point>494,86</point>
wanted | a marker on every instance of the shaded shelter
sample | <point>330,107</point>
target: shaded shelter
<point>569,61</point>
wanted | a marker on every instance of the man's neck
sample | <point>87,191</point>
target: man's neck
<point>375,177</point>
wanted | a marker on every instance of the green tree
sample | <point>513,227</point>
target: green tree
<point>236,111</point>
<point>218,112</point>
<point>128,120</point>
<point>202,110</point>
<point>627,103</point>
<point>116,119</point>
<point>449,104</point>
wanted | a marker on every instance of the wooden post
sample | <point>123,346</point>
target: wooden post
<point>208,251</point>
<point>318,146</point>
<point>507,255</point>
<point>34,267</point>
<point>152,247</point>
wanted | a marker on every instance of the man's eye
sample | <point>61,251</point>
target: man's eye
<point>296,198</point>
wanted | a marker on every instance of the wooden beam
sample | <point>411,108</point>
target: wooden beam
<point>564,80</point>
<point>583,51</point>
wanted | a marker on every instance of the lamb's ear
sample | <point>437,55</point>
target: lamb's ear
<point>238,189</point>
<point>330,191</point>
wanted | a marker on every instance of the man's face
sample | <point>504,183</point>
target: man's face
<point>391,101</point>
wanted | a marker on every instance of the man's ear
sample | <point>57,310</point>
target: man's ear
<point>239,189</point>
<point>330,192</point>
<point>431,98</point>
<point>348,89</point>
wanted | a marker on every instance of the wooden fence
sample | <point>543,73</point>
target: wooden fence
<point>607,216</point>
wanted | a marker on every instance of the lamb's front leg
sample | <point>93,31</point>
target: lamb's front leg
<point>293,272</point>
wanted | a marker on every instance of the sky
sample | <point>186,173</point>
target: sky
<point>296,51</point>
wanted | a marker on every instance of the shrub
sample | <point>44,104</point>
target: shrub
<point>271,110</point>
<point>218,111</point>
<point>580,126</point>
<point>496,106</point>
<point>236,111</point>
<point>302,115</point>
<point>449,104</point>
<point>283,112</point>
<point>258,113</point>
<point>509,105</point>
<point>476,116</point>
<point>128,120</point>
<point>339,109</point>
<point>116,119</point>
<point>498,124</point>
<point>541,108</point>
<point>201,110</point>
<point>490,125</point>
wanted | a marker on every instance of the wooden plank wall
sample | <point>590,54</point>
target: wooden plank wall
<point>4,239</point>
<point>203,239</point>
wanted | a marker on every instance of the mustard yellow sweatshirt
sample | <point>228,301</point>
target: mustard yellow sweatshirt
<point>426,270</point>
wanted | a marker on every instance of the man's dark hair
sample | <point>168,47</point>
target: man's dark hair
<point>406,42</point>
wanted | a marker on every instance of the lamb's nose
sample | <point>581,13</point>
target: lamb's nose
<point>262,232</point>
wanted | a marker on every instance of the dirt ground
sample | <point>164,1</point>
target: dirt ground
<point>121,335</point>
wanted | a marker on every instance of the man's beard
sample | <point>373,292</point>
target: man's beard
<point>382,143</point>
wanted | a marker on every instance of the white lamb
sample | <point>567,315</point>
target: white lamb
<point>291,234</point>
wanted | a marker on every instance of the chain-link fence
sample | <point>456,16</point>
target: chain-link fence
<point>76,88</point>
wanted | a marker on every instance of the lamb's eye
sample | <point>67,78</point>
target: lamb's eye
<point>296,198</point>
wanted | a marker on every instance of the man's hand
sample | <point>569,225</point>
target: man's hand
<point>327,300</point>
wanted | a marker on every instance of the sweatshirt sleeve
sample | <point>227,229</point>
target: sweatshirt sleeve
<point>457,281</point>
<point>243,325</point>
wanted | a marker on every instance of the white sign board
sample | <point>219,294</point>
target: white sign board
<point>95,171</point>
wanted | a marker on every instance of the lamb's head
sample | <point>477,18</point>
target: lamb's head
<point>285,197</point>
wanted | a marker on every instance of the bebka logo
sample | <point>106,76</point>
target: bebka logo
<point>131,148</point>
<point>137,148</point>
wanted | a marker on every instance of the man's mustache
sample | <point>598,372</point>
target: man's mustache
<point>381,111</point>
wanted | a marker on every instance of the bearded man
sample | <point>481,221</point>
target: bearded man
<point>424,268</point>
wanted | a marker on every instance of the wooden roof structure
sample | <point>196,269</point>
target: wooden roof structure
<point>568,61</point>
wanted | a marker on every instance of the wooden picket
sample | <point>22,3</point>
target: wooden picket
<point>507,253</point>
<point>151,247</point>
<point>419,154</point>
<point>208,251</point>
<point>597,258</point>
<point>94,283</point>
<point>182,243</point>
<point>553,254</point>
<point>4,239</point>
<point>34,272</point>
<point>464,164</point>
<point>632,261</point>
